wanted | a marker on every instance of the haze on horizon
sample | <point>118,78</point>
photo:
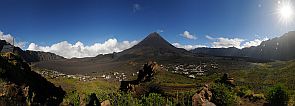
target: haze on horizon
<point>88,28</point>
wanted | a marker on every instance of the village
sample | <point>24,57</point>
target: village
<point>55,74</point>
<point>191,70</point>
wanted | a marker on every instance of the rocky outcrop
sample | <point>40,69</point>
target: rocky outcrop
<point>144,75</point>
<point>148,71</point>
<point>106,103</point>
<point>225,79</point>
<point>203,97</point>
<point>19,85</point>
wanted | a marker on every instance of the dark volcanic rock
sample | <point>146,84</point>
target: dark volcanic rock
<point>144,75</point>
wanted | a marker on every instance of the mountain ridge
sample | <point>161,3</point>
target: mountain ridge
<point>27,55</point>
<point>279,48</point>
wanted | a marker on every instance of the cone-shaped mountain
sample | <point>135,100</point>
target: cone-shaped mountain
<point>153,46</point>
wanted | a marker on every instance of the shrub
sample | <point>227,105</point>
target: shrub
<point>256,97</point>
<point>154,99</point>
<point>222,95</point>
<point>278,96</point>
<point>244,92</point>
<point>73,98</point>
<point>124,99</point>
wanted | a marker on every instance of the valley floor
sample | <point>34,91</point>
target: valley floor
<point>178,88</point>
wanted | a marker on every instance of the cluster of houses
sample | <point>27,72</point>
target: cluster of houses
<point>192,70</point>
<point>117,76</point>
<point>54,74</point>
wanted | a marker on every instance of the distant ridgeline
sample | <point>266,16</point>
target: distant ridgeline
<point>21,86</point>
<point>28,56</point>
<point>280,48</point>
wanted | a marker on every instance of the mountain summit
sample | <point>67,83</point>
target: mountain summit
<point>154,40</point>
<point>153,46</point>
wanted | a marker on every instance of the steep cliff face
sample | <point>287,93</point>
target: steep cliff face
<point>21,86</point>
<point>280,48</point>
<point>28,56</point>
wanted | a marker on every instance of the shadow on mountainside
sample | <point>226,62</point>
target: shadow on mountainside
<point>20,85</point>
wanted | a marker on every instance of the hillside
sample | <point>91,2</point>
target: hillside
<point>21,86</point>
<point>263,75</point>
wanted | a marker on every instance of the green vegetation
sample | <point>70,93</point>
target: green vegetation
<point>223,95</point>
<point>263,76</point>
<point>278,96</point>
<point>78,91</point>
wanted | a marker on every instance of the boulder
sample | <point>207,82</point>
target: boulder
<point>106,103</point>
<point>203,97</point>
<point>144,75</point>
<point>225,79</point>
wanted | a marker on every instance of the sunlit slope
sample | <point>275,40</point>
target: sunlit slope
<point>263,75</point>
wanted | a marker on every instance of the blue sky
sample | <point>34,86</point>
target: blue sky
<point>47,22</point>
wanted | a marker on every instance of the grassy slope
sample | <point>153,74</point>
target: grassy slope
<point>262,76</point>
<point>267,74</point>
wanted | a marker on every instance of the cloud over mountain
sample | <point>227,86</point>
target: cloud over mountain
<point>80,50</point>
<point>9,38</point>
<point>255,42</point>
<point>223,42</point>
<point>227,42</point>
<point>187,47</point>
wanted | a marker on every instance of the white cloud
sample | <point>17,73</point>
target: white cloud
<point>9,38</point>
<point>226,42</point>
<point>234,42</point>
<point>160,30</point>
<point>187,47</point>
<point>187,35</point>
<point>80,50</point>
<point>209,37</point>
<point>255,42</point>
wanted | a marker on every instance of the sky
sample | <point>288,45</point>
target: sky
<point>85,28</point>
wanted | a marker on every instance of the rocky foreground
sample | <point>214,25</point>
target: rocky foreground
<point>21,86</point>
